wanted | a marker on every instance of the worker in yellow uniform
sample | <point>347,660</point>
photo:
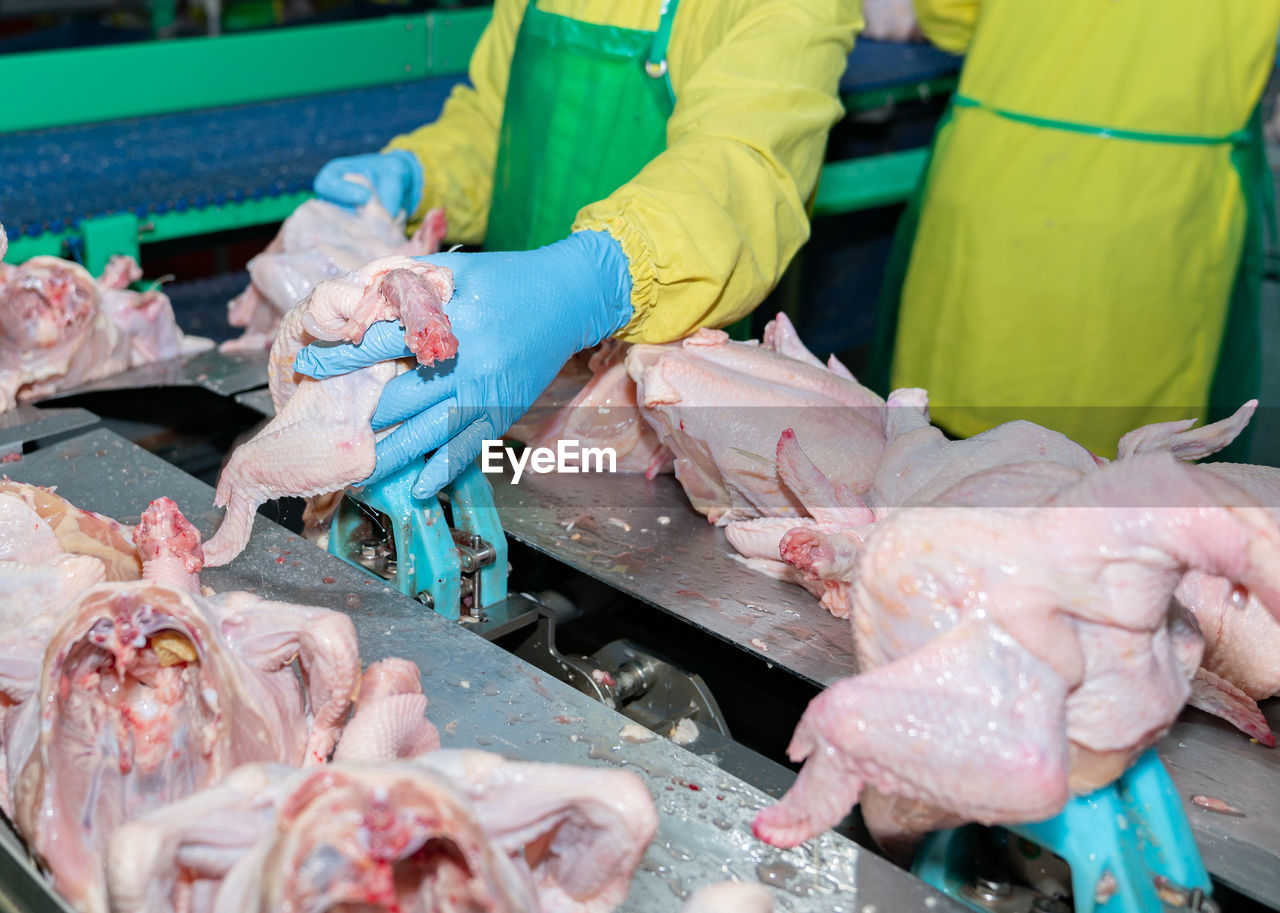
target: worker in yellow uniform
<point>1087,243</point>
<point>634,168</point>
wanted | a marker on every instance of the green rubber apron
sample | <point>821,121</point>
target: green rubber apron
<point>587,108</point>
<point>1238,375</point>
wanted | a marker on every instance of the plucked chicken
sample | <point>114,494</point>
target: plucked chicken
<point>131,693</point>
<point>720,406</point>
<point>1241,663</point>
<point>320,241</point>
<point>595,405</point>
<point>449,830</point>
<point>320,440</point>
<point>1012,656</point>
<point>60,328</point>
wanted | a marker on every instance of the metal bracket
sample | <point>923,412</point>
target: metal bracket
<point>1128,846</point>
<point>453,570</point>
<point>106,236</point>
<point>626,678</point>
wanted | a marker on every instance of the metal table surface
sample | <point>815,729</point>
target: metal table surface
<point>225,374</point>
<point>481,696</point>
<point>641,537</point>
<point>25,423</point>
<point>609,526</point>
<point>258,400</point>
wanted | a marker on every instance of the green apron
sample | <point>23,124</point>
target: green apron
<point>586,109</point>
<point>1238,375</point>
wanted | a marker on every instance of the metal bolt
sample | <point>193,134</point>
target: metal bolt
<point>426,599</point>
<point>990,889</point>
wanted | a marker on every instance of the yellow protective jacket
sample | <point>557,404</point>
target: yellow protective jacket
<point>710,224</point>
<point>1063,277</point>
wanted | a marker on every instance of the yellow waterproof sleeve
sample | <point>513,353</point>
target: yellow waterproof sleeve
<point>948,24</point>
<point>458,150</point>
<point>711,223</point>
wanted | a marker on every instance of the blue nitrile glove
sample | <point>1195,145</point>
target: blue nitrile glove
<point>518,318</point>
<point>396,177</point>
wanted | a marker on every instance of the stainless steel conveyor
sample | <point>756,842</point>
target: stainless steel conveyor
<point>481,696</point>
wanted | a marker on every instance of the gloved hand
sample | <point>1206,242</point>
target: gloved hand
<point>396,177</point>
<point>518,318</point>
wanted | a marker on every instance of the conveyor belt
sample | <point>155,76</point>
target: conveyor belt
<point>153,165</point>
<point>481,696</point>
<point>173,162</point>
<point>609,526</point>
<point>881,64</point>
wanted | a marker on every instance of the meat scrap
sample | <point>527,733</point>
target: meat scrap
<point>123,688</point>
<point>1000,636</point>
<point>59,327</point>
<point>457,830</point>
<point>320,440</point>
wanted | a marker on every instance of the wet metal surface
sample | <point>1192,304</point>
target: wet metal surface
<point>258,400</point>
<point>26,423</point>
<point>482,697</point>
<point>1208,757</point>
<point>608,526</point>
<point>223,373</point>
<point>641,537</point>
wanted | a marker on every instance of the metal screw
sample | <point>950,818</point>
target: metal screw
<point>990,889</point>
<point>426,599</point>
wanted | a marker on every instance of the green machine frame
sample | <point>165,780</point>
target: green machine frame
<point>88,85</point>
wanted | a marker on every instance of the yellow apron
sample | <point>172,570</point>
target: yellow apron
<point>1083,220</point>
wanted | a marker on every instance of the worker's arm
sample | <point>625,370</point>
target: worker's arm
<point>458,150</point>
<point>710,224</point>
<point>698,237</point>
<point>948,23</point>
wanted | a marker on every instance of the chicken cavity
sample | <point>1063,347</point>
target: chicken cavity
<point>121,694</point>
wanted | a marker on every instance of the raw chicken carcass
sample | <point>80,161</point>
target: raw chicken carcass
<point>50,552</point>
<point>601,412</point>
<point>145,317</point>
<point>1012,656</point>
<point>720,406</point>
<point>1241,662</point>
<point>74,531</point>
<point>919,464</point>
<point>320,241</point>
<point>143,691</point>
<point>320,440</point>
<point>59,329</point>
<point>54,332</point>
<point>819,551</point>
<point>459,831</point>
